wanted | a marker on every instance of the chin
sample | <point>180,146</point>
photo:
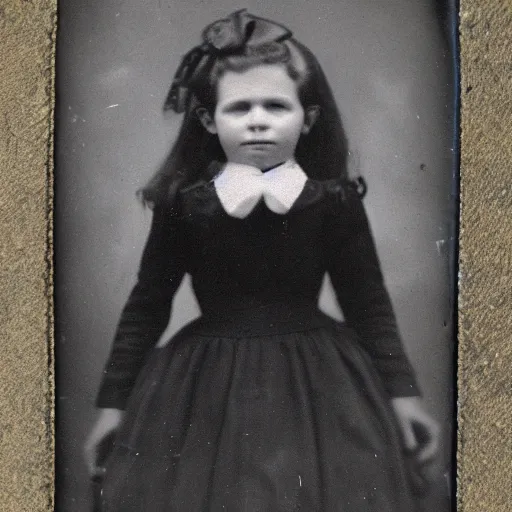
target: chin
<point>263,162</point>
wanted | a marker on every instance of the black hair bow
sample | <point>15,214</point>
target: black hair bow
<point>227,36</point>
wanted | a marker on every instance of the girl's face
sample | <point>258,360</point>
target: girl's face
<point>258,117</point>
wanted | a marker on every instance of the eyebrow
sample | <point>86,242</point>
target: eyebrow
<point>248,101</point>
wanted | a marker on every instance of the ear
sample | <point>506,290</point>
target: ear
<point>206,119</point>
<point>310,116</point>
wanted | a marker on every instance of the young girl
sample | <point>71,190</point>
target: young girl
<point>263,403</point>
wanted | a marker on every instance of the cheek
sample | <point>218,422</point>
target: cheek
<point>224,128</point>
<point>229,125</point>
<point>293,126</point>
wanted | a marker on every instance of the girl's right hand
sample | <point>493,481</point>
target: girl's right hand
<point>107,423</point>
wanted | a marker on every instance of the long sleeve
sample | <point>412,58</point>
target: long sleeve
<point>147,311</point>
<point>356,275</point>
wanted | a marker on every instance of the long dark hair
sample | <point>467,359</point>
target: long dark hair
<point>322,153</point>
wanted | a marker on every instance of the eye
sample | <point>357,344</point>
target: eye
<point>276,105</point>
<point>238,107</point>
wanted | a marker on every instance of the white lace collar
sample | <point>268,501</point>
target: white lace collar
<point>240,187</point>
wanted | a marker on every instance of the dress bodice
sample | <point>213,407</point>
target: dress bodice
<point>258,259</point>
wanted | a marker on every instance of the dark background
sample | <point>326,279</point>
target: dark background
<point>390,66</point>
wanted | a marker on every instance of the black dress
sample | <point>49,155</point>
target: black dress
<point>264,403</point>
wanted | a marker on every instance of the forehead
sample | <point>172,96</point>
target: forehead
<point>270,80</point>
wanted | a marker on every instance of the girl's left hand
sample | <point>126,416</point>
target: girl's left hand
<point>420,432</point>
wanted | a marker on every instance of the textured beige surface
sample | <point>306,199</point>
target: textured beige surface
<point>27,30</point>
<point>26,387</point>
<point>485,303</point>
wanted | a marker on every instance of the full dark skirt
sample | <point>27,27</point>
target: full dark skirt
<point>278,423</point>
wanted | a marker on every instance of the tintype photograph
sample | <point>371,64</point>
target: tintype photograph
<point>255,211</point>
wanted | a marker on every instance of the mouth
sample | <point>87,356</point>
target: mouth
<point>258,143</point>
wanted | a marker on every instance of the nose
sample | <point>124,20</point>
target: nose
<point>257,119</point>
